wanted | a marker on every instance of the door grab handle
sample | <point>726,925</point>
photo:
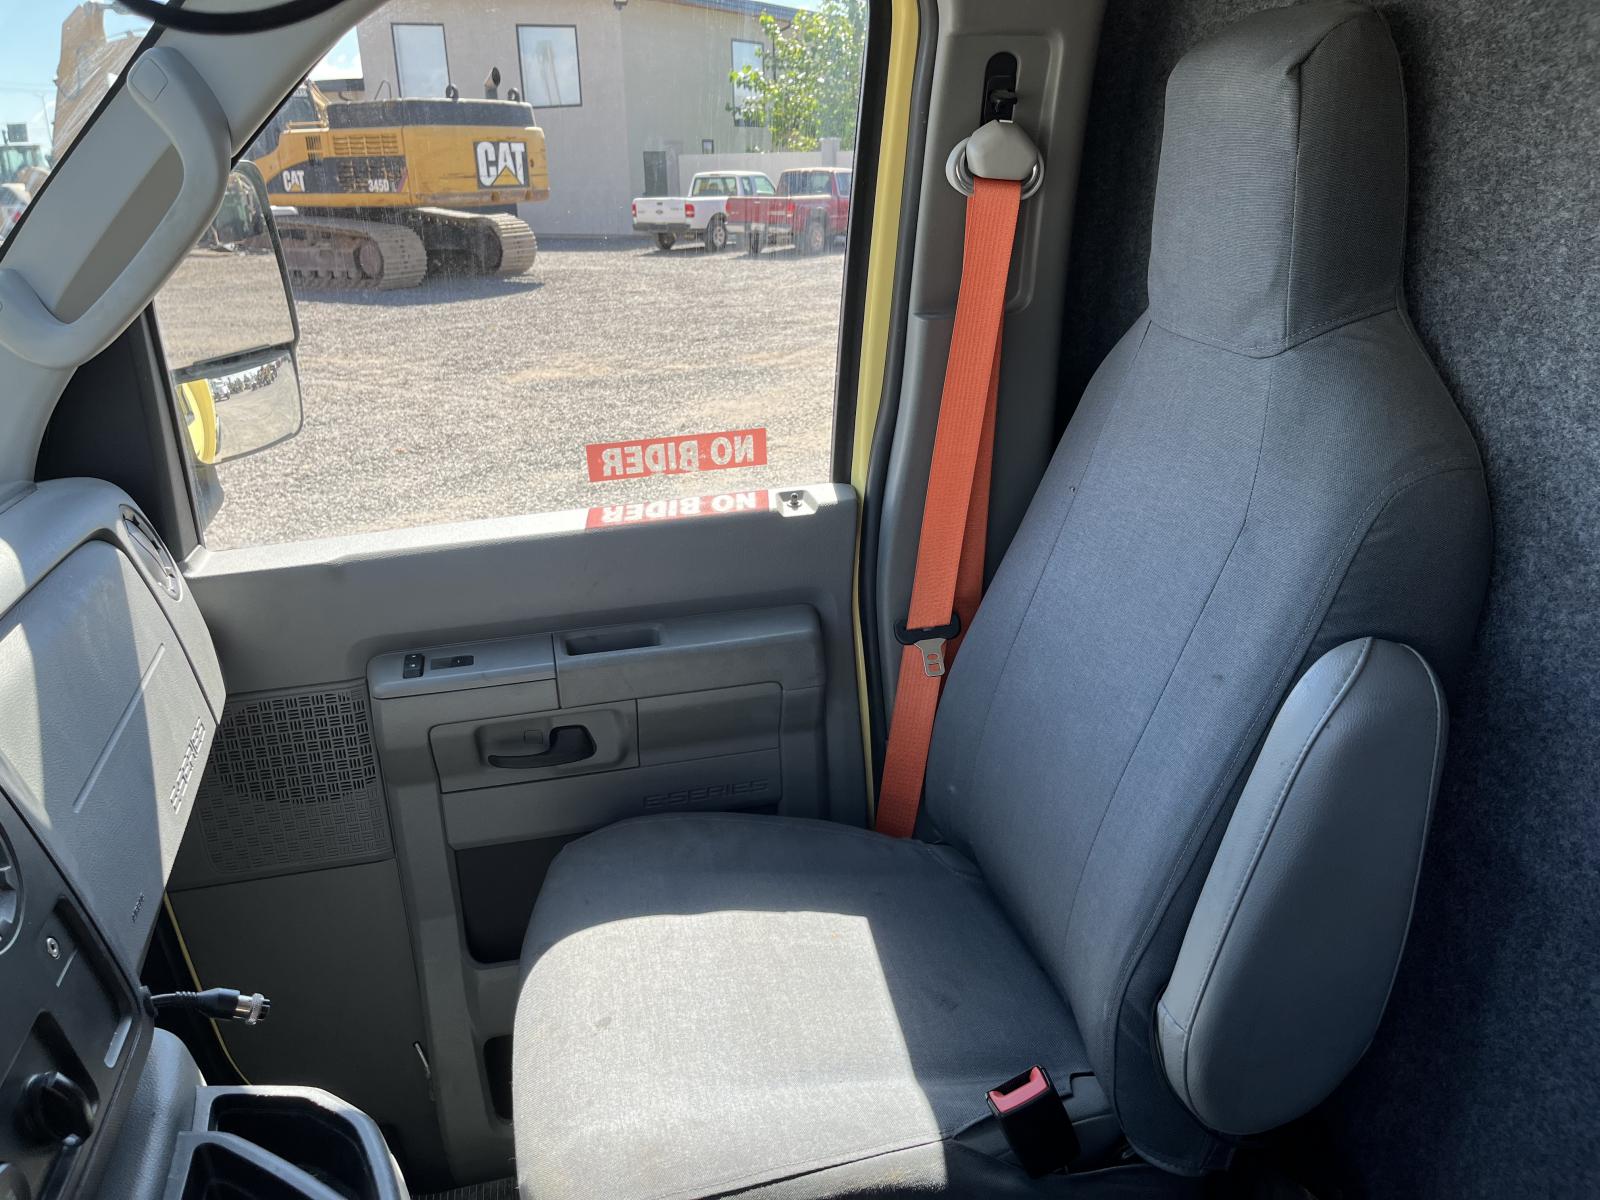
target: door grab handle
<point>568,744</point>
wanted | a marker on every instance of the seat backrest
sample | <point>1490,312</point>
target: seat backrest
<point>1266,465</point>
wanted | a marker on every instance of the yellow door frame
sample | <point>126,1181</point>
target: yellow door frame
<point>877,312</point>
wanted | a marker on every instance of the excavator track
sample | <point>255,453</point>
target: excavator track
<point>518,246</point>
<point>345,252</point>
<point>498,244</point>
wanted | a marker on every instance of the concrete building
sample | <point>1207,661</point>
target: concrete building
<point>621,88</point>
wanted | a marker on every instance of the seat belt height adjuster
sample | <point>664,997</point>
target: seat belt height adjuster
<point>929,642</point>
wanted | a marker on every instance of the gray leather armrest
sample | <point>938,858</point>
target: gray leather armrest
<point>1293,946</point>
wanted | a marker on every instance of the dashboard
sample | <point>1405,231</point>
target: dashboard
<point>110,694</point>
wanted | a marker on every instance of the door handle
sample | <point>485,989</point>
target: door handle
<point>568,744</point>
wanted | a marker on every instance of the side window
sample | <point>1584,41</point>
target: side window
<point>422,67</point>
<point>548,56</point>
<point>559,300</point>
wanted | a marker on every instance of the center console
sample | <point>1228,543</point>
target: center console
<point>185,1141</point>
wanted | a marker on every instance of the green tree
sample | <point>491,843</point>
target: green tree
<point>806,86</point>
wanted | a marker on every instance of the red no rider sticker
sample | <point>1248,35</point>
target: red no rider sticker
<point>683,455</point>
<point>642,512</point>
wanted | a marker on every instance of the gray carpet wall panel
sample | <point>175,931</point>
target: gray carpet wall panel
<point>1485,1077</point>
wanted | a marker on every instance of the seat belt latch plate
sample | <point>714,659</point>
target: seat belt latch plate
<point>929,643</point>
<point>1035,1122</point>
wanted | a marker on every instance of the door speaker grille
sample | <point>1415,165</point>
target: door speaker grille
<point>292,785</point>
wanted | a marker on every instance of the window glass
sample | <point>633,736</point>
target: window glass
<point>748,58</point>
<point>549,57</point>
<point>58,60</point>
<point>553,307</point>
<point>421,66</point>
<point>804,183</point>
<point>844,178</point>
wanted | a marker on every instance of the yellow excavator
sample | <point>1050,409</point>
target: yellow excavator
<point>384,191</point>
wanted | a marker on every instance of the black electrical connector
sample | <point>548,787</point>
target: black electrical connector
<point>220,1004</point>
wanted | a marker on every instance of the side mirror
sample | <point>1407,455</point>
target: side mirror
<point>229,330</point>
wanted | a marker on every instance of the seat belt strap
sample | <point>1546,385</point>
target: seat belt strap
<point>949,575</point>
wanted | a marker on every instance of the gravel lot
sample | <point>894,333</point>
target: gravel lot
<point>464,399</point>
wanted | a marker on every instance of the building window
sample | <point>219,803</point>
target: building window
<point>549,55</point>
<point>420,61</point>
<point>752,55</point>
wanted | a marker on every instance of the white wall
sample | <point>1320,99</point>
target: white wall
<point>654,77</point>
<point>676,62</point>
<point>587,144</point>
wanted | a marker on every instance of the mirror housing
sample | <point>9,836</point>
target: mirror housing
<point>229,331</point>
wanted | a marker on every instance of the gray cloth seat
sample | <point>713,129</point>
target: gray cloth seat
<point>756,1000</point>
<point>1266,474</point>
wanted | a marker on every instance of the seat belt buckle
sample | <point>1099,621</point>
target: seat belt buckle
<point>929,642</point>
<point>1035,1122</point>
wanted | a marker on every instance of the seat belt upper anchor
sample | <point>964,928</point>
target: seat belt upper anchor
<point>929,642</point>
<point>998,150</point>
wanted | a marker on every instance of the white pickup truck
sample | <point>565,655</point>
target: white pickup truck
<point>701,215</point>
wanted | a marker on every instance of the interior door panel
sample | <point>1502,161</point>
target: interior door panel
<point>419,721</point>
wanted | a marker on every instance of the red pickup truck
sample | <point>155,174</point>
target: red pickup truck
<point>808,209</point>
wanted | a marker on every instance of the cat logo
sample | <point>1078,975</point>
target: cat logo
<point>502,164</point>
<point>294,181</point>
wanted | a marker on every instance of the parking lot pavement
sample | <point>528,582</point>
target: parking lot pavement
<point>464,399</point>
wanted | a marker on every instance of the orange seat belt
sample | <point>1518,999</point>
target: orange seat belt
<point>949,578</point>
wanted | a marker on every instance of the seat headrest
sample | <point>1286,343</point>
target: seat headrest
<point>1281,199</point>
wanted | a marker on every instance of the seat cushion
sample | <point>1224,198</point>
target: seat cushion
<point>716,1002</point>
